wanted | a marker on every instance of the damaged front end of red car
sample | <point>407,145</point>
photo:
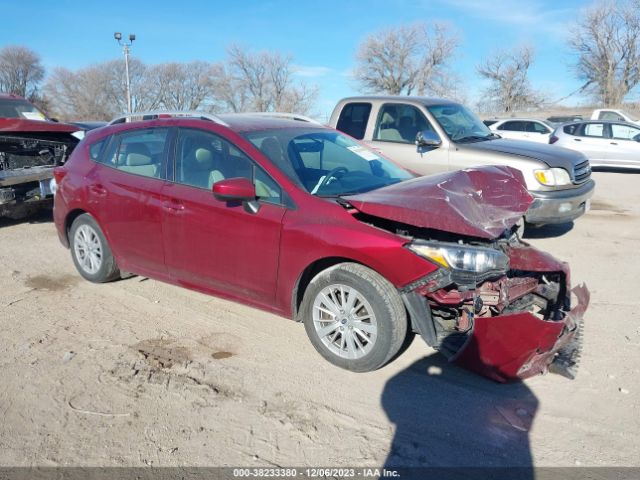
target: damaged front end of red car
<point>495,304</point>
<point>523,323</point>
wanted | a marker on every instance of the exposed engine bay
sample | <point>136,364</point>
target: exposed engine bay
<point>26,169</point>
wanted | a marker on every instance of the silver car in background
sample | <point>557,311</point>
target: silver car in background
<point>604,143</point>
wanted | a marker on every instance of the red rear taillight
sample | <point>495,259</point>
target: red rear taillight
<point>553,139</point>
<point>59,173</point>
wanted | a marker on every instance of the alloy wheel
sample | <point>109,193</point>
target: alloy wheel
<point>344,321</point>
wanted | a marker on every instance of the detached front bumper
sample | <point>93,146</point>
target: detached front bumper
<point>520,345</point>
<point>560,206</point>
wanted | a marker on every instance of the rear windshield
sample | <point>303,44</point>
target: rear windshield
<point>16,108</point>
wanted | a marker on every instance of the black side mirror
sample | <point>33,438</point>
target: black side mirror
<point>428,138</point>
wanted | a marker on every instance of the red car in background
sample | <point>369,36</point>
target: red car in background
<point>303,221</point>
<point>30,146</point>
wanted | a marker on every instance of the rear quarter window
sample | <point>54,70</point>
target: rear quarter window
<point>353,119</point>
<point>95,150</point>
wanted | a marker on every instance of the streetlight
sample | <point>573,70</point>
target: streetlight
<point>125,49</point>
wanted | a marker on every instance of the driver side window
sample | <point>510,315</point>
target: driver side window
<point>400,123</point>
<point>204,158</point>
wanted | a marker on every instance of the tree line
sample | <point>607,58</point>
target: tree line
<point>246,81</point>
<point>405,60</point>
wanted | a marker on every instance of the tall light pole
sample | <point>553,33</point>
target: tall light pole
<point>125,49</point>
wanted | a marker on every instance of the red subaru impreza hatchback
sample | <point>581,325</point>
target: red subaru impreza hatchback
<point>304,221</point>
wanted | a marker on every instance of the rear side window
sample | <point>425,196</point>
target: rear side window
<point>353,119</point>
<point>514,126</point>
<point>139,152</point>
<point>594,130</point>
<point>570,129</point>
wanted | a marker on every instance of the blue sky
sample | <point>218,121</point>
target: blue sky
<point>321,36</point>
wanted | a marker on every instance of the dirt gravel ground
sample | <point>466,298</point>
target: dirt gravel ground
<point>138,372</point>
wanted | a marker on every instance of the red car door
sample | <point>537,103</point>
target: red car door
<point>125,192</point>
<point>215,245</point>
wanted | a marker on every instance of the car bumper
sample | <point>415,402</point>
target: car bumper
<point>560,206</point>
<point>520,345</point>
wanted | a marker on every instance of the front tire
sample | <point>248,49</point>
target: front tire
<point>90,252</point>
<point>354,317</point>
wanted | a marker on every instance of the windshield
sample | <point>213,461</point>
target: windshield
<point>326,162</point>
<point>460,124</point>
<point>631,117</point>
<point>16,108</point>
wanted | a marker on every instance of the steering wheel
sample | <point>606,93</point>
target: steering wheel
<point>332,174</point>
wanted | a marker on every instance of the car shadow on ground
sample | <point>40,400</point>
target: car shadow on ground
<point>42,216</point>
<point>547,231</point>
<point>451,423</point>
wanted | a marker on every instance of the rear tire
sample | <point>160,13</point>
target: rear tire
<point>90,252</point>
<point>354,317</point>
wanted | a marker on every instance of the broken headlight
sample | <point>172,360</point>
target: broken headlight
<point>464,261</point>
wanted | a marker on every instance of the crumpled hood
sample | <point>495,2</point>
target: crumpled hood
<point>23,125</point>
<point>552,155</point>
<point>479,202</point>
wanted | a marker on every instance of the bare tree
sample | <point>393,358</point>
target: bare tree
<point>98,92</point>
<point>507,71</point>
<point>262,82</point>
<point>20,71</point>
<point>405,60</point>
<point>247,82</point>
<point>183,86</point>
<point>606,40</point>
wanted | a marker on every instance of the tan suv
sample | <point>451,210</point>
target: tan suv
<point>429,136</point>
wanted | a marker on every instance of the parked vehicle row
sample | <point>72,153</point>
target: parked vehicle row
<point>450,137</point>
<point>610,139</point>
<point>307,222</point>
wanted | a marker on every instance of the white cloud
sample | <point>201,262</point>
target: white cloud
<point>311,71</point>
<point>532,14</point>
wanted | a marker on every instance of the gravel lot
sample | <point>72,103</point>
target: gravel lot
<point>138,372</point>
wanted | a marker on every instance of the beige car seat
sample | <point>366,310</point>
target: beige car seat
<point>138,160</point>
<point>388,130</point>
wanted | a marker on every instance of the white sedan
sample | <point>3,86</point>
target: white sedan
<point>529,129</point>
<point>605,143</point>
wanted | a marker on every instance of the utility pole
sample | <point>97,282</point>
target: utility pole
<point>125,49</point>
